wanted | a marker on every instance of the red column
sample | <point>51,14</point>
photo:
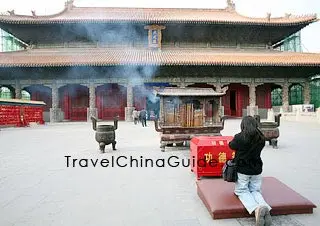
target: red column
<point>66,104</point>
<point>122,92</point>
<point>268,103</point>
<point>239,100</point>
<point>226,103</point>
<point>98,102</point>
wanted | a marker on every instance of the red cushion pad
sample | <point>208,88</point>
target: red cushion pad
<point>220,200</point>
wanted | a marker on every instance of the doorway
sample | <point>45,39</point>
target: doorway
<point>111,101</point>
<point>153,107</point>
<point>233,103</point>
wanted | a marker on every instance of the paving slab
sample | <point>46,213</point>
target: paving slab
<point>37,187</point>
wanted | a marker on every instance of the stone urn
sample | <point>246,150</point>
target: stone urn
<point>270,129</point>
<point>105,134</point>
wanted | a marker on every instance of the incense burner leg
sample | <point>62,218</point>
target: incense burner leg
<point>180,144</point>
<point>114,145</point>
<point>274,143</point>
<point>162,146</point>
<point>102,147</point>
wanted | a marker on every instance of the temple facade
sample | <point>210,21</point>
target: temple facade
<point>105,62</point>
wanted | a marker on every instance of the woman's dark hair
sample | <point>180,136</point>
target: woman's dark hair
<point>249,129</point>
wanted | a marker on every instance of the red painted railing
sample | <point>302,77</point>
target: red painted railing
<point>15,113</point>
<point>10,115</point>
<point>32,114</point>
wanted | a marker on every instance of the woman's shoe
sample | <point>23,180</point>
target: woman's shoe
<point>267,219</point>
<point>260,213</point>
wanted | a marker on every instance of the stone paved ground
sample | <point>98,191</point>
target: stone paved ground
<point>37,188</point>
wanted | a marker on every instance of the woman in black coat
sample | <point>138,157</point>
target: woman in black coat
<point>248,145</point>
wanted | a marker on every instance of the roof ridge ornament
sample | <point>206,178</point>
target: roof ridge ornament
<point>30,46</point>
<point>269,16</point>
<point>69,4</point>
<point>11,12</point>
<point>231,5</point>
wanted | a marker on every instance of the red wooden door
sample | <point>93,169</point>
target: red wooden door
<point>75,103</point>
<point>236,99</point>
<point>111,102</point>
<point>79,102</point>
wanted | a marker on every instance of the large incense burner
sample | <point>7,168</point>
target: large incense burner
<point>186,113</point>
<point>105,134</point>
<point>270,129</point>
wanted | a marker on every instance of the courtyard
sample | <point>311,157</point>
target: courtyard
<point>38,188</point>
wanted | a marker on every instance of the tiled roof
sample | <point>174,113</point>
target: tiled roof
<point>173,91</point>
<point>174,56</point>
<point>20,101</point>
<point>153,15</point>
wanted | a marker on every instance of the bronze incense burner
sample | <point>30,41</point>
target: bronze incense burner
<point>270,129</point>
<point>188,112</point>
<point>105,134</point>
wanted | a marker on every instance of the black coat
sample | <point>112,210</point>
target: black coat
<point>143,114</point>
<point>248,154</point>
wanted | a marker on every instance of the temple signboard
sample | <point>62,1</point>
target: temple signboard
<point>154,35</point>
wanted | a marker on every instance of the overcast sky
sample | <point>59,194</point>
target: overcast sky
<point>254,8</point>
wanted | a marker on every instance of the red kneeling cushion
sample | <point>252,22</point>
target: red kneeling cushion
<point>220,200</point>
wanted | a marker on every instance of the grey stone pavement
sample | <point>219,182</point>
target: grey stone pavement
<point>37,187</point>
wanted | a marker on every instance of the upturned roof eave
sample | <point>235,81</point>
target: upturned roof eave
<point>98,64</point>
<point>145,21</point>
<point>73,14</point>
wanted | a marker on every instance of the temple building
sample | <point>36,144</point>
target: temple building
<point>105,61</point>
